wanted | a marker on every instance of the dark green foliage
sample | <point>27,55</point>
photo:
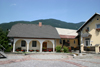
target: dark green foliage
<point>52,22</point>
<point>65,49</point>
<point>58,48</point>
<point>4,40</point>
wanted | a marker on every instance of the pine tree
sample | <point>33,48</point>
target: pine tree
<point>4,40</point>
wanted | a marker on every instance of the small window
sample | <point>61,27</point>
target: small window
<point>63,42</point>
<point>74,41</point>
<point>87,28</point>
<point>34,43</point>
<point>60,41</point>
<point>97,18</point>
<point>67,40</point>
<point>23,43</point>
<point>98,26</point>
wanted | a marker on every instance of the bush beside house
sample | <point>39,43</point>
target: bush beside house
<point>60,49</point>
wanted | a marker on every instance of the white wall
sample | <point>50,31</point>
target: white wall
<point>18,44</point>
<point>34,48</point>
<point>49,44</point>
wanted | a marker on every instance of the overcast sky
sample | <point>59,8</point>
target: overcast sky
<point>65,10</point>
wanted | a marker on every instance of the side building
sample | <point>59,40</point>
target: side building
<point>89,34</point>
<point>68,38</point>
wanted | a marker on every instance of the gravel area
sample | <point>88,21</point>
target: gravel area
<point>49,56</point>
<point>34,63</point>
<point>50,60</point>
<point>11,56</point>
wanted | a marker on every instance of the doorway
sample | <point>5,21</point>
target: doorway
<point>45,45</point>
<point>87,42</point>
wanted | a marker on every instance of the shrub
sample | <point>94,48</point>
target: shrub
<point>9,49</point>
<point>65,49</point>
<point>58,48</point>
<point>62,50</point>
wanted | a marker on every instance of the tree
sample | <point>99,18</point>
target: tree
<point>4,40</point>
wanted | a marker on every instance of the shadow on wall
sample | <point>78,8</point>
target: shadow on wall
<point>97,32</point>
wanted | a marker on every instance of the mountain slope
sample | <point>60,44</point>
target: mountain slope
<point>52,22</point>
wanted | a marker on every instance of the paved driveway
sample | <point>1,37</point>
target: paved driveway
<point>50,60</point>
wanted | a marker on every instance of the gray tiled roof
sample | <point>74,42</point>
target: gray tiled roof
<point>33,31</point>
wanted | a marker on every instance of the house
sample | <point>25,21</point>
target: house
<point>89,34</point>
<point>33,37</point>
<point>37,37</point>
<point>68,38</point>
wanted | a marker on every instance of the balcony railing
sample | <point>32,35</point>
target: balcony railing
<point>98,29</point>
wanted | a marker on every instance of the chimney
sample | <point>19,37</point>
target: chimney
<point>40,24</point>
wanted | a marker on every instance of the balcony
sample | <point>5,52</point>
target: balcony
<point>98,29</point>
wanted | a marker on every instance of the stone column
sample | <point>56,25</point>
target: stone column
<point>14,47</point>
<point>97,48</point>
<point>27,47</point>
<point>82,47</point>
<point>53,47</point>
<point>40,46</point>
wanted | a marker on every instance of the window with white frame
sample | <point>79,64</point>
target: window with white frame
<point>87,41</point>
<point>97,26</point>
<point>23,43</point>
<point>34,43</point>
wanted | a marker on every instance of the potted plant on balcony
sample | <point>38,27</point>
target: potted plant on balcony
<point>86,30</point>
<point>98,29</point>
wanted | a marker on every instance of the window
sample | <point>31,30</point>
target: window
<point>60,41</point>
<point>63,42</point>
<point>97,18</point>
<point>34,43</point>
<point>87,28</point>
<point>87,42</point>
<point>98,26</point>
<point>23,43</point>
<point>74,41</point>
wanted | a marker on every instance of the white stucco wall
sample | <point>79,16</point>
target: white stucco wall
<point>18,44</point>
<point>49,44</point>
<point>34,48</point>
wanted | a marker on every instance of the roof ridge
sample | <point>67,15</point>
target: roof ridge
<point>66,28</point>
<point>31,24</point>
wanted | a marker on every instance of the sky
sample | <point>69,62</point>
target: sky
<point>65,10</point>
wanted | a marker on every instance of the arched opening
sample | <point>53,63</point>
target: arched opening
<point>34,45</point>
<point>21,45</point>
<point>47,46</point>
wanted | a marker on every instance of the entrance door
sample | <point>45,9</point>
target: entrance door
<point>45,44</point>
<point>87,41</point>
